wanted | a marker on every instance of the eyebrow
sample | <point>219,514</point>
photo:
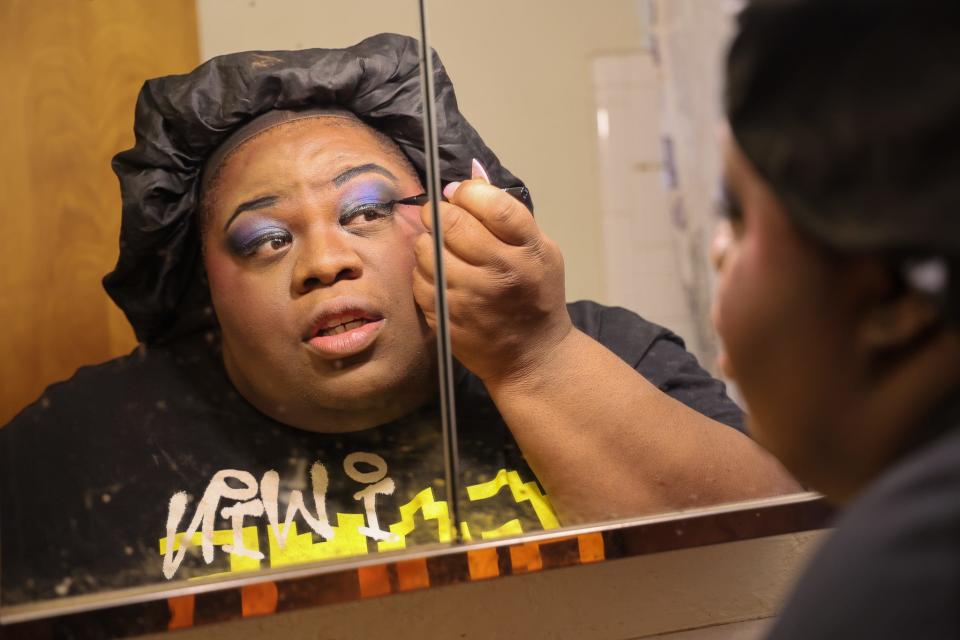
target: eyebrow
<point>338,180</point>
<point>353,172</point>
<point>252,205</point>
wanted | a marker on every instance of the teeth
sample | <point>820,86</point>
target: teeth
<point>342,328</point>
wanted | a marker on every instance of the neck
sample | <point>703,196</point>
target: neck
<point>303,411</point>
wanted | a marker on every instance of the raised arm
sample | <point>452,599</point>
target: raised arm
<point>603,440</point>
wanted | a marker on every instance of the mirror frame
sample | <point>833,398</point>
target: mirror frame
<point>274,591</point>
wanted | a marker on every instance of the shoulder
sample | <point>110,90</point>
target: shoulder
<point>87,469</point>
<point>895,554</point>
<point>659,355</point>
<point>109,399</point>
<point>96,388</point>
<point>622,331</point>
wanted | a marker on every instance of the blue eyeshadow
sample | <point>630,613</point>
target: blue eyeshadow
<point>245,233</point>
<point>367,192</point>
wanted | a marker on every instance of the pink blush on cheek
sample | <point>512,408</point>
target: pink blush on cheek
<point>230,287</point>
<point>410,223</point>
<point>408,230</point>
<point>251,311</point>
<point>220,272</point>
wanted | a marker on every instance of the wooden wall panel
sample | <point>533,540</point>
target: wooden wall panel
<point>70,71</point>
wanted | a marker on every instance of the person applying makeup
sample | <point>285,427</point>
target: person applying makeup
<point>282,406</point>
<point>838,300</point>
<point>587,422</point>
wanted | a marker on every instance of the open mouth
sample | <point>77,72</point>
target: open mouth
<point>343,327</point>
<point>344,333</point>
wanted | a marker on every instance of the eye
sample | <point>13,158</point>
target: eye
<point>278,243</point>
<point>366,214</point>
<point>266,244</point>
<point>728,207</point>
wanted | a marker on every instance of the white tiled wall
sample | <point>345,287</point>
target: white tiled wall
<point>691,37</point>
<point>656,230</point>
<point>641,266</point>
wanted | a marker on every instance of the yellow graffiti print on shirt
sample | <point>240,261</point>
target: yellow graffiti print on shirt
<point>522,492</point>
<point>238,563</point>
<point>348,538</point>
<point>431,510</point>
<point>300,548</point>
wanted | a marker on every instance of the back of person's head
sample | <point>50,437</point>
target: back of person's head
<point>850,110</point>
<point>838,295</point>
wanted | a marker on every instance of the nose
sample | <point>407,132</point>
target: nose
<point>325,257</point>
<point>720,244</point>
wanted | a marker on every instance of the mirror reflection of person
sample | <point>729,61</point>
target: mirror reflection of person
<point>282,406</point>
<point>839,295</point>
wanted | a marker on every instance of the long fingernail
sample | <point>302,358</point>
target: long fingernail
<point>478,171</point>
<point>449,189</point>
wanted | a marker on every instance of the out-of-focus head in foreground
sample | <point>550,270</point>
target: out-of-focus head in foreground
<point>839,271</point>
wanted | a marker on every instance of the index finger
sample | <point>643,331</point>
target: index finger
<point>502,214</point>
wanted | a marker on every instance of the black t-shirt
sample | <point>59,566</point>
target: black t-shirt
<point>891,570</point>
<point>107,475</point>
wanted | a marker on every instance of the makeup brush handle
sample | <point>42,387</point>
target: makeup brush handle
<point>520,193</point>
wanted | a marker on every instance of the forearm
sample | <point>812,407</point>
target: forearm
<point>606,443</point>
<point>603,441</point>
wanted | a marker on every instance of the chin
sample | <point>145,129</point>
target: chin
<point>377,388</point>
<point>359,392</point>
<point>362,412</point>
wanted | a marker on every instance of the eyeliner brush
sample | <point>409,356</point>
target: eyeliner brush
<point>520,193</point>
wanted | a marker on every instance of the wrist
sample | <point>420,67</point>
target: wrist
<point>546,358</point>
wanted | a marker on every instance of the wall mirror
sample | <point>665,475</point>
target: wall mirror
<point>610,116</point>
<point>153,470</point>
<point>606,113</point>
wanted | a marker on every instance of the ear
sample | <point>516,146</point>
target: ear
<point>892,316</point>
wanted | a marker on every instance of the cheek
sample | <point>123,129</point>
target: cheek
<point>770,312</point>
<point>390,266</point>
<point>745,317</point>
<point>401,251</point>
<point>240,298</point>
<point>222,275</point>
<point>732,305</point>
<point>220,271</point>
<point>409,223</point>
<point>754,323</point>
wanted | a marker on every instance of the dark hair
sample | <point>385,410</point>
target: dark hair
<point>850,109</point>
